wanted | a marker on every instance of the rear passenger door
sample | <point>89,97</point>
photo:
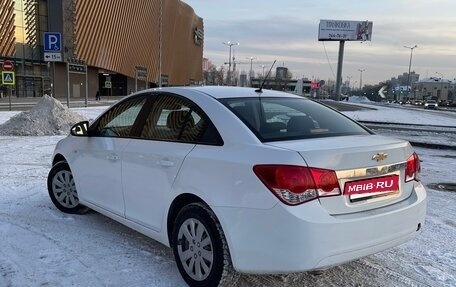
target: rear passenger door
<point>152,161</point>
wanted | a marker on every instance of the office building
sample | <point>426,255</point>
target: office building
<point>84,46</point>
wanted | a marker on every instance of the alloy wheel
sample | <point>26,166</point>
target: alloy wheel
<point>64,189</point>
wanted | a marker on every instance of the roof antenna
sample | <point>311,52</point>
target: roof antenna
<point>260,89</point>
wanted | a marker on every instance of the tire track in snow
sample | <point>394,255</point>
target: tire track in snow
<point>6,272</point>
<point>65,252</point>
<point>394,276</point>
<point>360,273</point>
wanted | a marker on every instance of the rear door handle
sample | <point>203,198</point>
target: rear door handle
<point>165,163</point>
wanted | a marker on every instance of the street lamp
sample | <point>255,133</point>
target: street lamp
<point>348,89</point>
<point>262,66</point>
<point>410,65</point>
<point>251,70</point>
<point>229,59</point>
<point>361,78</point>
<point>441,85</point>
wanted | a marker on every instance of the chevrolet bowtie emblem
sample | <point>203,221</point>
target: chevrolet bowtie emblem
<point>379,156</point>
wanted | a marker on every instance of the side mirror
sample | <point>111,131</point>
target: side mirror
<point>79,129</point>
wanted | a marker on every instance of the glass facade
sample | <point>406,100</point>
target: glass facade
<point>32,73</point>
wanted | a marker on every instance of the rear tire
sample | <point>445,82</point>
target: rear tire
<point>62,189</point>
<point>200,248</point>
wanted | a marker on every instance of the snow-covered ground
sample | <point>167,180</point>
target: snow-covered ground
<point>41,246</point>
<point>394,113</point>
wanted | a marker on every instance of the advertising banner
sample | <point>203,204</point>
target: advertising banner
<point>340,30</point>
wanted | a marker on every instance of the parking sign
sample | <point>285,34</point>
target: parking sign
<point>52,42</point>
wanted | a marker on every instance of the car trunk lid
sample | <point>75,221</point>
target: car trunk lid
<point>360,162</point>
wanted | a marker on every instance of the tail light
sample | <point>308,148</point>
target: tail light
<point>413,168</point>
<point>294,185</point>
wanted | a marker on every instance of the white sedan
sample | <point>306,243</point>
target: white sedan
<point>430,104</point>
<point>241,180</point>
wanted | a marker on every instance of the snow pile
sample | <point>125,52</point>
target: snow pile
<point>47,117</point>
<point>358,99</point>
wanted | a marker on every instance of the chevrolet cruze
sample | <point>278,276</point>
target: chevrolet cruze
<point>238,180</point>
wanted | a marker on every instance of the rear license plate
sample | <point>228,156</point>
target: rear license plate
<point>378,185</point>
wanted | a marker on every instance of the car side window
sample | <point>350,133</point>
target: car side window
<point>173,118</point>
<point>119,120</point>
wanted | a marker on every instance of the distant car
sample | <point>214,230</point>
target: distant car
<point>430,104</point>
<point>237,179</point>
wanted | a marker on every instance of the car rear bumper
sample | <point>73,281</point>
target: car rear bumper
<point>291,239</point>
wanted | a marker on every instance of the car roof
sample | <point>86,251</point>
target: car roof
<point>221,92</point>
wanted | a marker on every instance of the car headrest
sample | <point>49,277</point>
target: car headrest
<point>176,119</point>
<point>300,124</point>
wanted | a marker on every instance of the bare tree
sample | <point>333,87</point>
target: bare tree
<point>219,76</point>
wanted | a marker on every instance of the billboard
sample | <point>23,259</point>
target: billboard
<point>340,30</point>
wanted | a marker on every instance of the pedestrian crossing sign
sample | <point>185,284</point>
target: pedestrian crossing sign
<point>8,78</point>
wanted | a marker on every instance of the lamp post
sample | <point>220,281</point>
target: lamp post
<point>348,89</point>
<point>229,60</point>
<point>262,66</point>
<point>361,78</point>
<point>410,65</point>
<point>441,85</point>
<point>251,67</point>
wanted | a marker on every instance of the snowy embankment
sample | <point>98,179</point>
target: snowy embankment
<point>394,113</point>
<point>42,246</point>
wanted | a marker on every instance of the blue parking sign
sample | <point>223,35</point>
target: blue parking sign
<point>52,42</point>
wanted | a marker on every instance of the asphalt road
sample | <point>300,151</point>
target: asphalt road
<point>344,107</point>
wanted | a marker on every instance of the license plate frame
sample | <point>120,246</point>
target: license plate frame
<point>371,187</point>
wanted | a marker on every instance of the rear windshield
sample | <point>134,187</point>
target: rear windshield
<point>278,119</point>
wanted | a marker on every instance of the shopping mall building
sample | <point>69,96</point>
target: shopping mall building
<point>84,46</point>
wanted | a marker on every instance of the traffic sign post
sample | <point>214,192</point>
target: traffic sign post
<point>8,80</point>
<point>140,74</point>
<point>52,52</point>
<point>8,65</point>
<point>77,66</point>
<point>52,42</point>
<point>52,57</point>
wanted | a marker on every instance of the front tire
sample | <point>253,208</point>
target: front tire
<point>200,248</point>
<point>62,189</point>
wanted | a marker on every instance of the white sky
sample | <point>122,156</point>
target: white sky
<point>287,31</point>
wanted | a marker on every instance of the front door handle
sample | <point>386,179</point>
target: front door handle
<point>112,157</point>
